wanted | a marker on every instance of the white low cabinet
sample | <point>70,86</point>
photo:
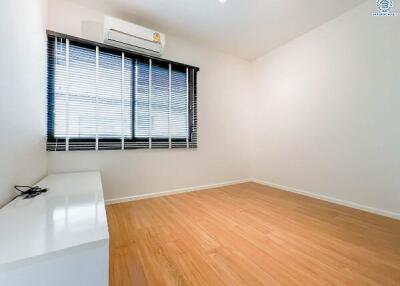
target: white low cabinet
<point>58,238</point>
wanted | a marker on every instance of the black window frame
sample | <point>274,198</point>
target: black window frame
<point>78,144</point>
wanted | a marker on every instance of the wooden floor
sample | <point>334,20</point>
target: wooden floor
<point>250,234</point>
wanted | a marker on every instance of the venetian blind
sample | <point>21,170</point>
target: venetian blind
<point>103,98</point>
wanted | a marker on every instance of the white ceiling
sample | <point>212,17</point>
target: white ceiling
<point>244,28</point>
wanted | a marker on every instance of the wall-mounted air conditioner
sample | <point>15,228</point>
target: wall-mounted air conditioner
<point>133,37</point>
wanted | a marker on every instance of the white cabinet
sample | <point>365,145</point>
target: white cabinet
<point>58,238</point>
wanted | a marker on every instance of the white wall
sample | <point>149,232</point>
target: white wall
<point>22,94</point>
<point>329,111</point>
<point>324,112</point>
<point>223,120</point>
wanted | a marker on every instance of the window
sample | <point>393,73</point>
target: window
<point>102,98</point>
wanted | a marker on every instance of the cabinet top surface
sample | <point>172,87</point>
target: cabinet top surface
<point>72,213</point>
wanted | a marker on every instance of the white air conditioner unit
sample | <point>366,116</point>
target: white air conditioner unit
<point>133,37</point>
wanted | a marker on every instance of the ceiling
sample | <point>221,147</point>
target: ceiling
<point>243,28</point>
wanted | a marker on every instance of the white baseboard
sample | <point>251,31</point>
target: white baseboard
<point>330,199</point>
<point>175,191</point>
<point>261,182</point>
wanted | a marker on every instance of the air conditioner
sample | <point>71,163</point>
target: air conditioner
<point>133,37</point>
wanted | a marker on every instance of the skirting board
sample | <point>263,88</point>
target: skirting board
<point>329,199</point>
<point>175,191</point>
<point>261,182</point>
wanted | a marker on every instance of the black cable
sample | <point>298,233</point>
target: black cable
<point>29,193</point>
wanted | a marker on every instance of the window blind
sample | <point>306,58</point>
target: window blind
<point>103,98</point>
